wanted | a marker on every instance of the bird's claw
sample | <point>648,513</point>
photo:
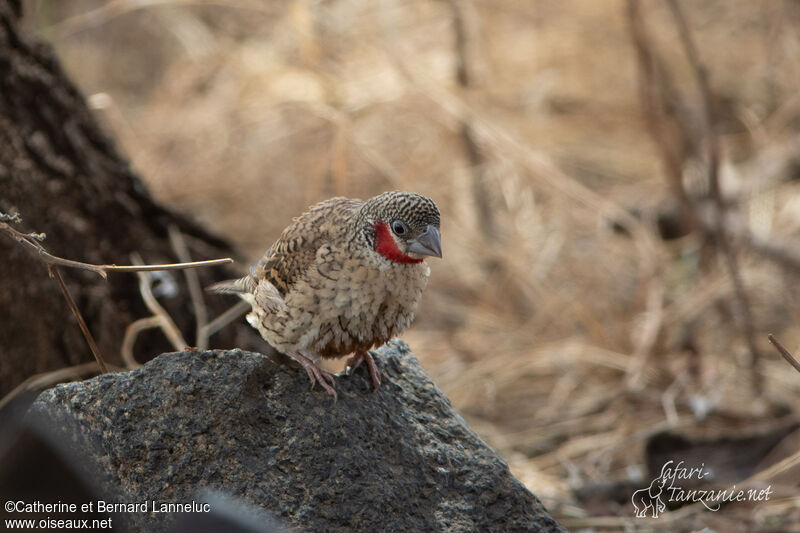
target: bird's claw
<point>317,375</point>
<point>365,356</point>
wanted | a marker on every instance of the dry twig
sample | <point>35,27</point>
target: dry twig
<point>224,319</point>
<point>652,97</point>
<point>32,243</point>
<point>29,241</point>
<point>129,339</point>
<point>712,141</point>
<point>48,379</point>
<point>784,352</point>
<point>464,38</point>
<point>117,8</point>
<point>193,282</point>
<point>166,324</point>
<point>161,318</point>
<point>54,273</point>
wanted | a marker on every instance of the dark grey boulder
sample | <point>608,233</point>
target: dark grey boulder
<point>399,459</point>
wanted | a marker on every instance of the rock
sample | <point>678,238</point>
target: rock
<point>399,459</point>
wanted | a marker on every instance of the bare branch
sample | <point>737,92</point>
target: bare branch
<point>167,325</point>
<point>54,273</point>
<point>48,379</point>
<point>28,240</point>
<point>712,141</point>
<point>167,266</point>
<point>15,218</point>
<point>193,282</point>
<point>31,242</point>
<point>464,73</point>
<point>131,332</point>
<point>224,319</point>
<point>784,352</point>
<point>653,104</point>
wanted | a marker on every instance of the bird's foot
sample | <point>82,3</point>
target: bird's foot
<point>365,356</point>
<point>317,375</point>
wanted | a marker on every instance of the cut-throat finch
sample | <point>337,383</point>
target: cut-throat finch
<point>344,277</point>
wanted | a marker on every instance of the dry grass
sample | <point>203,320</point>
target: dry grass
<point>565,344</point>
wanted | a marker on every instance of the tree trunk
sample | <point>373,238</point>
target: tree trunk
<point>66,179</point>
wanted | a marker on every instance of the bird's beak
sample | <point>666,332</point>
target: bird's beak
<point>429,242</point>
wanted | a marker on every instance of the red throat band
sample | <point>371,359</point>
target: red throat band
<point>385,245</point>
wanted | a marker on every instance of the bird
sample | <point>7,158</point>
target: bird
<point>342,278</point>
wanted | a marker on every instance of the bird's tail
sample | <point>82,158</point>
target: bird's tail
<point>243,285</point>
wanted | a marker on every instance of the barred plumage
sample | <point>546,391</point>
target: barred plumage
<point>342,278</point>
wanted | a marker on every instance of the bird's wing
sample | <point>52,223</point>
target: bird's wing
<point>294,252</point>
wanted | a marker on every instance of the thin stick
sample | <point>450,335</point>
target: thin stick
<point>167,325</point>
<point>652,100</point>
<point>193,282</point>
<point>47,379</point>
<point>131,332</point>
<point>464,73</point>
<point>169,266</point>
<point>771,472</point>
<point>37,249</point>
<point>54,273</point>
<point>784,352</point>
<point>224,319</point>
<point>109,11</point>
<point>729,255</point>
<point>28,242</point>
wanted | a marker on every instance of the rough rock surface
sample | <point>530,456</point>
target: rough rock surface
<point>399,459</point>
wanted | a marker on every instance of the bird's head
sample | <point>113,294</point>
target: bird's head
<point>402,226</point>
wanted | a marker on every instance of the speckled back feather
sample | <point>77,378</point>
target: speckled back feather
<point>294,251</point>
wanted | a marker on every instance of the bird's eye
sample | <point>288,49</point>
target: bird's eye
<point>399,227</point>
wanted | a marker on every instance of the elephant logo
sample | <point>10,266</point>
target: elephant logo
<point>649,499</point>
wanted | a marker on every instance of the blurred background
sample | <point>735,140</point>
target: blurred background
<point>600,300</point>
